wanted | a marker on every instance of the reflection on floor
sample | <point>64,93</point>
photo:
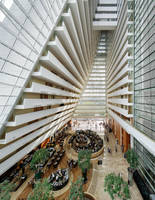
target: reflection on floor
<point>112,162</point>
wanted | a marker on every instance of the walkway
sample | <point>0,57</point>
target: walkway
<point>114,162</point>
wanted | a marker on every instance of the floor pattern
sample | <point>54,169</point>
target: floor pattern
<point>112,162</point>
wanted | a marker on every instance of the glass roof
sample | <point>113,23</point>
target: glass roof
<point>7,4</point>
<point>25,27</point>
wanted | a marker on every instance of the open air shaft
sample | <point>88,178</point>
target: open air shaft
<point>93,99</point>
<point>62,60</point>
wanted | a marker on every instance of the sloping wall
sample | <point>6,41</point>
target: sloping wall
<point>51,95</point>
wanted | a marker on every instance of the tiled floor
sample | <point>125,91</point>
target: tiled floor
<point>113,162</point>
<point>24,190</point>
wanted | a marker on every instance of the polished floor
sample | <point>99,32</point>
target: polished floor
<point>113,162</point>
<point>25,189</point>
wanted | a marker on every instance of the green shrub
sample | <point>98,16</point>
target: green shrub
<point>41,191</point>
<point>132,158</point>
<point>5,188</point>
<point>40,156</point>
<point>116,187</point>
<point>84,157</point>
<point>76,191</point>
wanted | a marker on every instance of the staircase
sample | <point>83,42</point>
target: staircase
<point>93,100</point>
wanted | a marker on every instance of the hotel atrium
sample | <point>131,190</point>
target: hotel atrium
<point>77,75</point>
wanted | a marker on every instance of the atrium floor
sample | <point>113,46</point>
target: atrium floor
<point>113,162</point>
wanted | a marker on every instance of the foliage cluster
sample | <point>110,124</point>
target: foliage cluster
<point>84,157</point>
<point>40,156</point>
<point>132,158</point>
<point>116,187</point>
<point>5,188</point>
<point>76,191</point>
<point>42,191</point>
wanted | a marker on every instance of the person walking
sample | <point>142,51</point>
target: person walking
<point>109,150</point>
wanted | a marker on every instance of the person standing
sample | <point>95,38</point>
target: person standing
<point>115,148</point>
<point>122,148</point>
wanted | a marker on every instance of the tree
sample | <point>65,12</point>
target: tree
<point>76,191</point>
<point>116,187</point>
<point>84,157</point>
<point>42,191</point>
<point>132,158</point>
<point>40,156</point>
<point>5,188</point>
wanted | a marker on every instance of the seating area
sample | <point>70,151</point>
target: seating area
<point>59,179</point>
<point>86,140</point>
<point>19,181</point>
<point>72,163</point>
<point>18,174</point>
<point>21,171</point>
<point>59,168</point>
<point>56,171</point>
<point>77,99</point>
<point>16,169</point>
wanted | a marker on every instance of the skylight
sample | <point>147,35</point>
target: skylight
<point>7,4</point>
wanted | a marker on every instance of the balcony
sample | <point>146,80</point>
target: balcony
<point>104,25</point>
<point>106,15</point>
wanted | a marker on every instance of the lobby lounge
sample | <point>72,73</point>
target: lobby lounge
<point>77,93</point>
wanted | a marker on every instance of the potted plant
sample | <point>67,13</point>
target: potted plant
<point>132,159</point>
<point>5,188</point>
<point>116,187</point>
<point>39,157</point>
<point>84,157</point>
<point>41,191</point>
<point>76,191</point>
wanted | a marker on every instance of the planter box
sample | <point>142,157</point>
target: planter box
<point>89,196</point>
<point>143,188</point>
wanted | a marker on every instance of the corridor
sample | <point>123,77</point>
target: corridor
<point>112,162</point>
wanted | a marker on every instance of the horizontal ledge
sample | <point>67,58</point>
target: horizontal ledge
<point>148,143</point>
